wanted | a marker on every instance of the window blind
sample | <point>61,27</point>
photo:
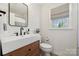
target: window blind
<point>60,11</point>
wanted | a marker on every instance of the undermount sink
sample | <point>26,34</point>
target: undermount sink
<point>14,42</point>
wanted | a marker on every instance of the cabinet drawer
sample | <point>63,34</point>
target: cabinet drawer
<point>34,52</point>
<point>32,49</point>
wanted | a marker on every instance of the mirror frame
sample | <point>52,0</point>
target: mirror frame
<point>9,16</point>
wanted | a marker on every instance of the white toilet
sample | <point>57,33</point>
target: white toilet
<point>47,48</point>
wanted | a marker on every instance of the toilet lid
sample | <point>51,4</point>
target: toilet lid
<point>45,45</point>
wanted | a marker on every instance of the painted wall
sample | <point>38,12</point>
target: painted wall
<point>64,41</point>
<point>34,15</point>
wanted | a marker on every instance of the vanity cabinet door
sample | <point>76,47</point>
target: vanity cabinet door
<point>33,49</point>
<point>28,50</point>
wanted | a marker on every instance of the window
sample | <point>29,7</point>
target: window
<point>60,16</point>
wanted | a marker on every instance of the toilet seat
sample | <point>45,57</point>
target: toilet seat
<point>45,45</point>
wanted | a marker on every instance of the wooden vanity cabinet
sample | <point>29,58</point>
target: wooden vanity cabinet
<point>32,49</point>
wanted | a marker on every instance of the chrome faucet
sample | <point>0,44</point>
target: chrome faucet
<point>21,30</point>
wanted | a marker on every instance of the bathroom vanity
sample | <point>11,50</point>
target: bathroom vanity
<point>27,45</point>
<point>27,50</point>
<point>24,43</point>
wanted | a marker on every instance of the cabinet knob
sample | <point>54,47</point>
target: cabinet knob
<point>29,49</point>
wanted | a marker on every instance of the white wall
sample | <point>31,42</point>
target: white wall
<point>63,41</point>
<point>34,15</point>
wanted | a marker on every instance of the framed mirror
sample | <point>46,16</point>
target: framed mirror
<point>18,14</point>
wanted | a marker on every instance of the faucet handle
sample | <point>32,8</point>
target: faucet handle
<point>16,33</point>
<point>24,33</point>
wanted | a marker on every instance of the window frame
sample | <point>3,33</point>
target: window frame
<point>70,22</point>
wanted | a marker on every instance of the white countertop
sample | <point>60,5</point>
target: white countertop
<point>14,42</point>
